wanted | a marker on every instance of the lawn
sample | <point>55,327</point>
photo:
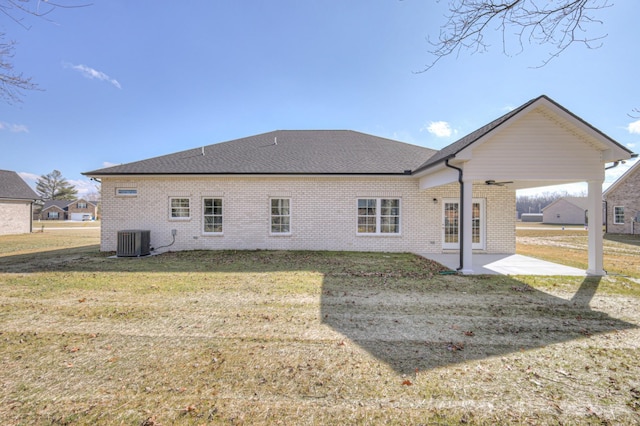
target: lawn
<point>267,337</point>
<point>569,247</point>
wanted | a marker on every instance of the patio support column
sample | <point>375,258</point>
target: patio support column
<point>467,228</point>
<point>595,229</point>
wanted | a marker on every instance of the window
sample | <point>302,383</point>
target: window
<point>280,216</point>
<point>126,192</point>
<point>212,213</point>
<point>82,205</point>
<point>179,208</point>
<point>53,215</point>
<point>618,215</point>
<point>378,216</point>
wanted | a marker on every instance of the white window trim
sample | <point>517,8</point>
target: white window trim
<point>126,192</point>
<point>212,234</point>
<point>615,215</point>
<point>378,218</point>
<point>281,234</point>
<point>180,219</point>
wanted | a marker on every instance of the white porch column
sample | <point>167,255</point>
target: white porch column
<point>595,229</point>
<point>467,228</point>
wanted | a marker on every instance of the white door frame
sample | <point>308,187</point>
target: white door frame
<point>479,224</point>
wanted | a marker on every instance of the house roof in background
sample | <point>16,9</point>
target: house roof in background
<point>287,152</point>
<point>13,187</point>
<point>63,204</point>
<point>580,202</point>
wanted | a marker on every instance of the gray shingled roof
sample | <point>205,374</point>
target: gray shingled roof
<point>287,152</point>
<point>13,187</point>
<point>61,204</point>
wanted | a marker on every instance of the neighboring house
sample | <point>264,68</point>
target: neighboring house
<point>622,203</point>
<point>566,211</point>
<point>16,204</point>
<point>68,210</point>
<point>344,190</point>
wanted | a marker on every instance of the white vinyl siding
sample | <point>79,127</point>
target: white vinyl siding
<point>543,149</point>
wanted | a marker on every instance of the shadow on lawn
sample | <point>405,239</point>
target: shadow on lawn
<point>396,307</point>
<point>427,329</point>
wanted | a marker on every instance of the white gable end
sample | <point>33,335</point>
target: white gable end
<point>536,148</point>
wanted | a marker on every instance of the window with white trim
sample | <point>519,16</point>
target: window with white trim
<point>126,192</point>
<point>82,205</point>
<point>378,216</point>
<point>179,208</point>
<point>53,215</point>
<point>280,216</point>
<point>212,215</point>
<point>618,215</point>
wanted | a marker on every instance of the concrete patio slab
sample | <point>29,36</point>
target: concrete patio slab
<point>507,264</point>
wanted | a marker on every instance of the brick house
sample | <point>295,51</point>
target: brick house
<point>622,203</point>
<point>79,210</point>
<point>345,190</point>
<point>16,204</point>
<point>566,211</point>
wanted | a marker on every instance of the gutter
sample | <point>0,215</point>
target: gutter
<point>461,215</point>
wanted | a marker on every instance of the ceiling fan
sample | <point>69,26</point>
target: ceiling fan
<point>493,182</point>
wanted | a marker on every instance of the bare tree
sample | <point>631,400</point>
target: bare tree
<point>12,83</point>
<point>558,23</point>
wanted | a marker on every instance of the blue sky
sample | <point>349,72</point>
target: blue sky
<point>128,80</point>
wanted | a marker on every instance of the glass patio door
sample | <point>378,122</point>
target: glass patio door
<point>451,224</point>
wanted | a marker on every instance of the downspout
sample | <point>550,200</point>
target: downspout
<point>461,216</point>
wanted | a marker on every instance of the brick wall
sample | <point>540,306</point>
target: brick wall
<point>323,213</point>
<point>89,209</point>
<point>625,194</point>
<point>15,217</point>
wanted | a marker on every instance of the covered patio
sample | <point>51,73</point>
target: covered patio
<point>507,264</point>
<point>536,145</point>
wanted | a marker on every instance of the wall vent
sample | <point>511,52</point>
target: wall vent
<point>133,243</point>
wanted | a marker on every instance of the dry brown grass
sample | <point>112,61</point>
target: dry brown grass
<point>309,338</point>
<point>305,338</point>
<point>569,247</point>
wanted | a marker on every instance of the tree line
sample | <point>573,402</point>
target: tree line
<point>535,203</point>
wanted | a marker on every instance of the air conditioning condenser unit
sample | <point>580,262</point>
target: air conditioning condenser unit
<point>133,243</point>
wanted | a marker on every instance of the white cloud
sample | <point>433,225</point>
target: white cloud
<point>634,127</point>
<point>108,164</point>
<point>441,129</point>
<point>91,73</point>
<point>85,186</point>
<point>30,178</point>
<point>613,174</point>
<point>14,128</point>
<point>631,145</point>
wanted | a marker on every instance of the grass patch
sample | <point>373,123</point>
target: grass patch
<point>621,252</point>
<point>268,337</point>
